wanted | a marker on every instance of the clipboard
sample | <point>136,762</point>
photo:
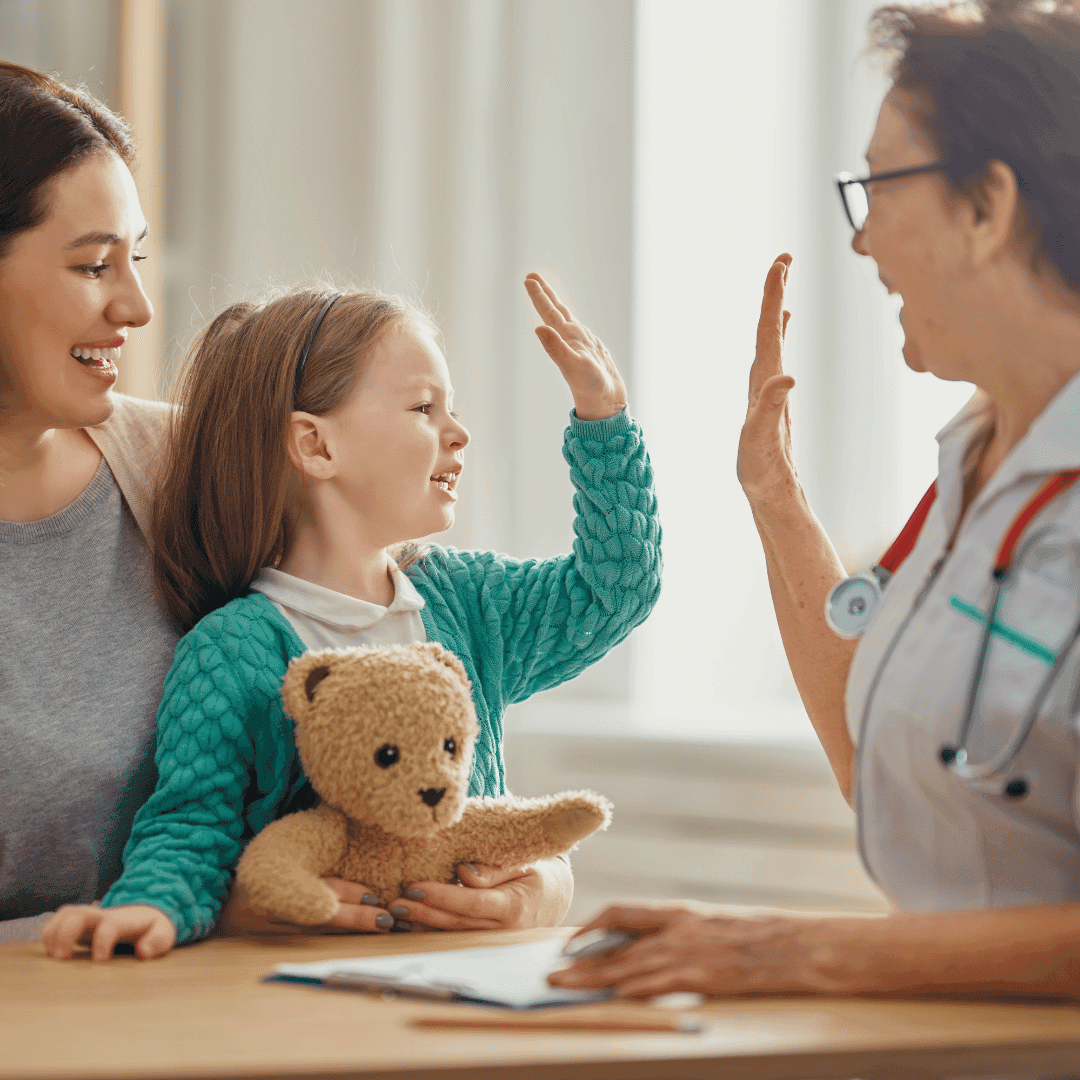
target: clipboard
<point>511,976</point>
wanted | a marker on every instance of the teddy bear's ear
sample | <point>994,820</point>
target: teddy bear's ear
<point>303,678</point>
<point>445,656</point>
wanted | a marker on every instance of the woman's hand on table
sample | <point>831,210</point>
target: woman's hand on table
<point>587,367</point>
<point>682,950</point>
<point>765,466</point>
<point>150,929</point>
<point>358,913</point>
<point>491,899</point>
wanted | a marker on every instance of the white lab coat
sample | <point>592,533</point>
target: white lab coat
<point>931,842</point>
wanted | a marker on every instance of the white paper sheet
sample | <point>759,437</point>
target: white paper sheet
<point>512,975</point>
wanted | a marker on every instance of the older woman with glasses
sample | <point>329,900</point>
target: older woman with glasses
<point>950,706</point>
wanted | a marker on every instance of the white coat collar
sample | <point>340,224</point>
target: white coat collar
<point>1051,444</point>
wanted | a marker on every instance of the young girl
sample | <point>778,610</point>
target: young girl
<point>316,433</point>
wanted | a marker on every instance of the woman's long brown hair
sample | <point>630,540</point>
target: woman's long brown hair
<point>222,510</point>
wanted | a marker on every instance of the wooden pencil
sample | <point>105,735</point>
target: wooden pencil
<point>560,1020</point>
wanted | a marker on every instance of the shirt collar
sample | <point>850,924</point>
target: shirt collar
<point>334,608</point>
<point>1050,444</point>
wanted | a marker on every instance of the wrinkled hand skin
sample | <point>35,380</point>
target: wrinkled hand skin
<point>683,950</point>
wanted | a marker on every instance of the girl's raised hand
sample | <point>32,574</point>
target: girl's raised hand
<point>765,465</point>
<point>102,929</point>
<point>586,365</point>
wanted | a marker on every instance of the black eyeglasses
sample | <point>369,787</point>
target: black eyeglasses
<point>853,189</point>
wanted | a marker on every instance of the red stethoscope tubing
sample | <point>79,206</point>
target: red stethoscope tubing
<point>904,544</point>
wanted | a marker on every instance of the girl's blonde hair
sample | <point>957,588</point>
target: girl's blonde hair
<point>225,504</point>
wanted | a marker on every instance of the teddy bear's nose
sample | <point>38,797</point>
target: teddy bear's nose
<point>432,795</point>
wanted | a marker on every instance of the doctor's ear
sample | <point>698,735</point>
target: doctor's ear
<point>308,445</point>
<point>999,214</point>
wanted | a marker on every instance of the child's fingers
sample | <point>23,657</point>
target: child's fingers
<point>136,923</point>
<point>556,347</point>
<point>547,304</point>
<point>156,941</point>
<point>66,929</point>
<point>106,935</point>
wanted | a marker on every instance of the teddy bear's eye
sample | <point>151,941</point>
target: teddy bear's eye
<point>450,747</point>
<point>386,756</point>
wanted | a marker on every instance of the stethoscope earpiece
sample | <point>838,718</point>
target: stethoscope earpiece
<point>947,754</point>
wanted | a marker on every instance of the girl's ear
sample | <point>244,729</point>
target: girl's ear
<point>308,447</point>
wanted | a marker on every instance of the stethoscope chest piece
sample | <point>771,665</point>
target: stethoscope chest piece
<point>850,604</point>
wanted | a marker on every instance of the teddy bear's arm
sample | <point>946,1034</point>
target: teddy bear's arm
<point>281,868</point>
<point>510,832</point>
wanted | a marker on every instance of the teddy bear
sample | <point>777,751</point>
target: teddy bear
<point>386,735</point>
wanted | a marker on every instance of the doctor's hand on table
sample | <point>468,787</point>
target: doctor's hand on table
<point>1024,952</point>
<point>677,949</point>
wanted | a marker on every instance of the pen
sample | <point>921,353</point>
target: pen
<point>599,941</point>
<point>344,980</point>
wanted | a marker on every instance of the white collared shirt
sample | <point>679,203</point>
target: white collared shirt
<point>324,619</point>
<point>931,841</point>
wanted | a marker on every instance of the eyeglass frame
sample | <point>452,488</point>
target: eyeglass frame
<point>845,180</point>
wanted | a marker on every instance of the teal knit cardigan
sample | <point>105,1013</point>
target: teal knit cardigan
<point>227,762</point>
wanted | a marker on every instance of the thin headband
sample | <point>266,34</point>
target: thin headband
<point>311,339</point>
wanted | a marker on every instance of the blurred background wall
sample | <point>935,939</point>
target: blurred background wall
<point>653,157</point>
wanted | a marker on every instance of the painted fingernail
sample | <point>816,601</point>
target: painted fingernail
<point>370,899</point>
<point>399,911</point>
<point>402,926</point>
<point>471,868</point>
<point>384,922</point>
<point>414,894</point>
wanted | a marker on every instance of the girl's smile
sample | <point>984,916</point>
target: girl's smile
<point>389,459</point>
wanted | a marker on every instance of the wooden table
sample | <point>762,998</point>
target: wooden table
<point>203,1012</point>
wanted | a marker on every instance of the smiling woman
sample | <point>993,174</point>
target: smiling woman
<point>86,647</point>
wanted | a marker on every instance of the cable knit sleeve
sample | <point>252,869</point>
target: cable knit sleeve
<point>537,623</point>
<point>218,746</point>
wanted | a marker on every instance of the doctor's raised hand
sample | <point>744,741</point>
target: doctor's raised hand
<point>802,565</point>
<point>765,466</point>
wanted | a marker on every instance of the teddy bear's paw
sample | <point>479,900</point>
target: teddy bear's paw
<point>307,908</point>
<point>566,826</point>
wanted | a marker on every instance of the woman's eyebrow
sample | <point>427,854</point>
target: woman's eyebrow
<point>103,239</point>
